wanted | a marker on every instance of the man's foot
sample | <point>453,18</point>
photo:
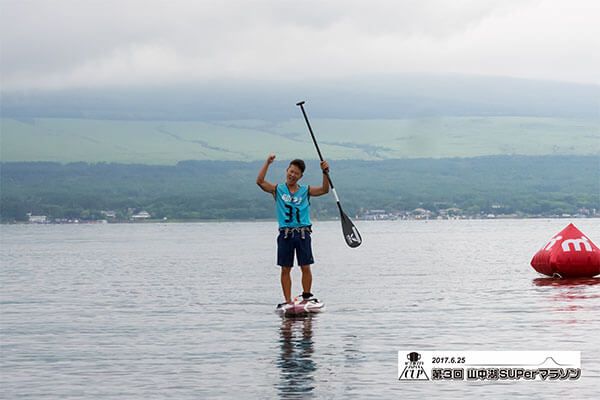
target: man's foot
<point>309,297</point>
<point>283,305</point>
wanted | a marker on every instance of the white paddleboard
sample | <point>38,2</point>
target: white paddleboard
<point>300,307</point>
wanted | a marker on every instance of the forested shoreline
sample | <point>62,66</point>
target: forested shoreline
<point>216,190</point>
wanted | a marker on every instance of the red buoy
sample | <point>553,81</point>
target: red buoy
<point>569,254</point>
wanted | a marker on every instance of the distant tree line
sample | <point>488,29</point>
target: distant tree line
<point>193,190</point>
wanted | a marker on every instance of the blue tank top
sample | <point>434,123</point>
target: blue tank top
<point>293,210</point>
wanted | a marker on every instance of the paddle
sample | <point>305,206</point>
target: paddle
<point>351,234</point>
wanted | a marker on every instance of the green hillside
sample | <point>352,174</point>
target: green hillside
<point>167,142</point>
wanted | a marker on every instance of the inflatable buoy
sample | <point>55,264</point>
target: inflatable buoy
<point>569,254</point>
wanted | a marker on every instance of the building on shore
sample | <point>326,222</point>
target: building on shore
<point>37,219</point>
<point>141,216</point>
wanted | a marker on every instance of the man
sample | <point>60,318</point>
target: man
<point>293,213</point>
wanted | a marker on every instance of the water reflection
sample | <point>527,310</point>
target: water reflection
<point>566,282</point>
<point>574,296</point>
<point>297,368</point>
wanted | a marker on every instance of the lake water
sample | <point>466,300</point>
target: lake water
<point>185,311</point>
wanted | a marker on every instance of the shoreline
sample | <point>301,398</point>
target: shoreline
<point>204,221</point>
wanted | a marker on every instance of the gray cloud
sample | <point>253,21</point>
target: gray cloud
<point>70,44</point>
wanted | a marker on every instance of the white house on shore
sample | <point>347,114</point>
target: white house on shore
<point>109,214</point>
<point>37,219</point>
<point>142,215</point>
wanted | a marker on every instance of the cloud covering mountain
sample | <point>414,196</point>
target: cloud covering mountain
<point>98,44</point>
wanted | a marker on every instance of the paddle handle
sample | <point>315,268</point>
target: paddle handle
<point>312,135</point>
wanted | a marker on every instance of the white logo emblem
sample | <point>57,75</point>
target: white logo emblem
<point>576,244</point>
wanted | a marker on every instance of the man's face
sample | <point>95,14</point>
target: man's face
<point>293,175</point>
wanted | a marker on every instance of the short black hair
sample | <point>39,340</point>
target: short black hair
<point>298,163</point>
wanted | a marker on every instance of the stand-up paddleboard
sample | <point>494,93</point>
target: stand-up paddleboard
<point>300,307</point>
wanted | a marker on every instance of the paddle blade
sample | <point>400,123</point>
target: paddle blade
<point>351,234</point>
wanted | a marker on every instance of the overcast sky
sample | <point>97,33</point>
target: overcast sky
<point>87,43</point>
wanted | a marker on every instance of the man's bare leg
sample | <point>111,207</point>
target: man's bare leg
<point>306,278</point>
<point>286,283</point>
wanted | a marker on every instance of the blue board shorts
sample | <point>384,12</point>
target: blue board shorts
<point>296,242</point>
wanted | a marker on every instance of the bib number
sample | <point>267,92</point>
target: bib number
<point>290,213</point>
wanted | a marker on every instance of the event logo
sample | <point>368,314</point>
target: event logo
<point>413,368</point>
<point>489,366</point>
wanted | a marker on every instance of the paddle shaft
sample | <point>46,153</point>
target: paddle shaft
<point>312,135</point>
<point>351,234</point>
